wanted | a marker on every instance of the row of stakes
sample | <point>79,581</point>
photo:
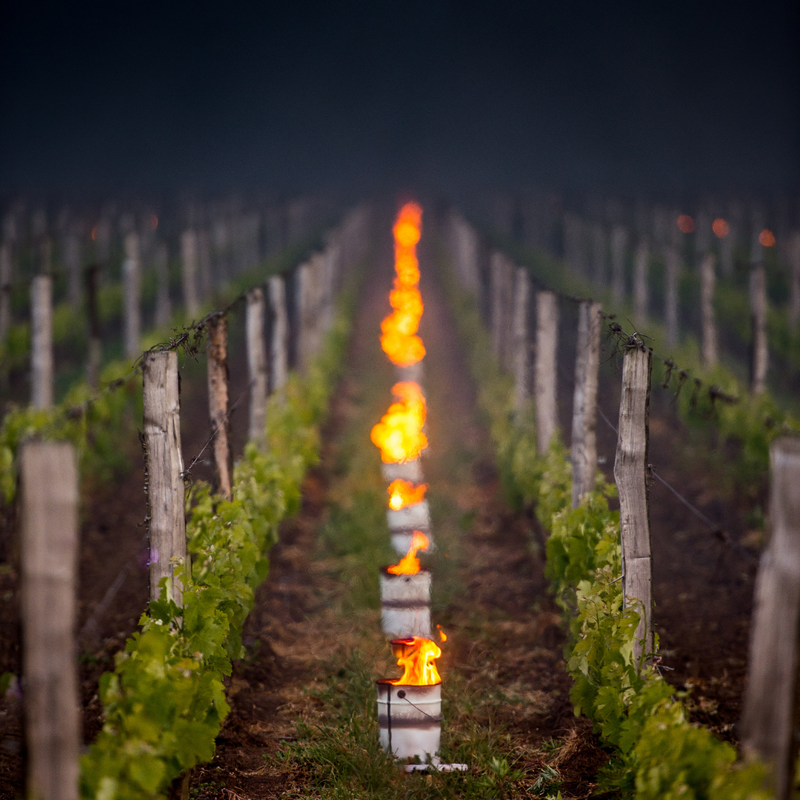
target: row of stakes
<point>410,707</point>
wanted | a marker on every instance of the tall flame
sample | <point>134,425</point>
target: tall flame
<point>416,655</point>
<point>399,433</point>
<point>409,563</point>
<point>399,338</point>
<point>404,493</point>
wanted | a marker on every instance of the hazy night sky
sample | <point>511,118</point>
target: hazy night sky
<point>372,95</point>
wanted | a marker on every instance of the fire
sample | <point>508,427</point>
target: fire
<point>442,634</point>
<point>416,655</point>
<point>685,223</point>
<point>409,563</point>
<point>766,238</point>
<point>721,228</point>
<point>404,493</point>
<point>399,338</point>
<point>399,433</point>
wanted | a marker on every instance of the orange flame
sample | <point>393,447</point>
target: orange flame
<point>409,563</point>
<point>404,493</point>
<point>399,338</point>
<point>766,238</point>
<point>399,433</point>
<point>721,228</point>
<point>416,655</point>
<point>442,634</point>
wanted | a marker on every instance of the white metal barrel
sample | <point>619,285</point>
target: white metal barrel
<point>408,471</point>
<point>410,719</point>
<point>406,604</point>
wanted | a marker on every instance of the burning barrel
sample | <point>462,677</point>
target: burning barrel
<point>408,512</point>
<point>410,719</point>
<point>412,372</point>
<point>410,708</point>
<point>406,603</point>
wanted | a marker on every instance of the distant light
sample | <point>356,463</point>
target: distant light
<point>720,228</point>
<point>766,238</point>
<point>153,221</point>
<point>685,223</point>
<point>94,233</point>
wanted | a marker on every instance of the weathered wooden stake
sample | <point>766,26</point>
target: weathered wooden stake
<point>164,461</point>
<point>49,562</point>
<point>72,261</point>
<point>794,291</point>
<point>42,341</point>
<point>630,474</point>
<point>545,371</point>
<point>131,291</point>
<point>758,309</point>
<point>189,272</point>
<point>520,330</point>
<point>619,244</point>
<point>257,366</point>
<point>584,405</point>
<point>496,295</point>
<point>163,302</point>
<point>95,350</point>
<point>770,701</point>
<point>280,332</point>
<point>708,280</point>
<point>599,254</point>
<point>5,289</point>
<point>673,262</point>
<point>218,406</point>
<point>640,281</point>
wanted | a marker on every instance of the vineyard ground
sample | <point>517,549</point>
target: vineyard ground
<point>314,641</point>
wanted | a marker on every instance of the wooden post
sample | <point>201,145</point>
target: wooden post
<point>49,566</point>
<point>520,329</point>
<point>794,291</point>
<point>5,289</point>
<point>95,352</point>
<point>630,474</point>
<point>726,244</point>
<point>771,696</point>
<point>218,405</point>
<point>584,405</point>
<point>163,302</point>
<point>544,379</point>
<point>42,341</point>
<point>619,245</point>
<point>189,272</point>
<point>280,332</point>
<point>164,462</point>
<point>131,291</point>
<point>72,261</point>
<point>640,281</point>
<point>509,279</point>
<point>257,366</point>
<point>599,254</point>
<point>758,308</point>
<point>671,294</point>
<point>204,264</point>
<point>707,283</point>
<point>303,298</point>
<point>496,294</point>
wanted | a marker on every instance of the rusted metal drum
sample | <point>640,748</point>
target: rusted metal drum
<point>410,719</point>
<point>406,604</point>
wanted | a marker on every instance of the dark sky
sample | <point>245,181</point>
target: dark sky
<point>431,94</point>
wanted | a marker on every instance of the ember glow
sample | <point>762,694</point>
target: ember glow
<point>417,656</point>
<point>399,338</point>
<point>399,433</point>
<point>766,238</point>
<point>721,228</point>
<point>404,493</point>
<point>685,223</point>
<point>409,563</point>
